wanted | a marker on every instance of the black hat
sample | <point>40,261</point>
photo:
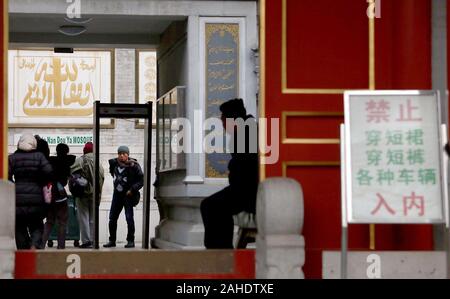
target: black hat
<point>123,149</point>
<point>233,109</point>
<point>62,149</point>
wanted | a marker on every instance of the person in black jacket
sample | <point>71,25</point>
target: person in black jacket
<point>30,171</point>
<point>218,209</point>
<point>58,209</point>
<point>128,180</point>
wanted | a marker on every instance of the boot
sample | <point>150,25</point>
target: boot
<point>130,244</point>
<point>109,244</point>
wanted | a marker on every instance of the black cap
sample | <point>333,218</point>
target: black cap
<point>233,109</point>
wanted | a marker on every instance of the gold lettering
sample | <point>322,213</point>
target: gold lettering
<point>223,62</point>
<point>58,111</point>
<point>46,96</point>
<point>224,75</point>
<point>222,87</point>
<point>86,67</point>
<point>56,78</point>
<point>216,50</point>
<point>215,102</point>
<point>27,64</point>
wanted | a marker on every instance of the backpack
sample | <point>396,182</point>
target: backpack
<point>135,198</point>
<point>80,182</point>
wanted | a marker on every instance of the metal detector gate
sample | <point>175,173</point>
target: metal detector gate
<point>104,110</point>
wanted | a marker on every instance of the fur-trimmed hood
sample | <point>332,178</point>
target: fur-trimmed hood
<point>27,143</point>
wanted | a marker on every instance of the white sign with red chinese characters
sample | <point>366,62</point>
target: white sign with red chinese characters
<point>393,157</point>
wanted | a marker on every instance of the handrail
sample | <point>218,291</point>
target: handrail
<point>170,107</point>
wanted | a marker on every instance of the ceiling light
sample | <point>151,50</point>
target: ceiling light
<point>71,30</point>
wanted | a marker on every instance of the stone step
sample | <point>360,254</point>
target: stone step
<point>387,264</point>
<point>118,263</point>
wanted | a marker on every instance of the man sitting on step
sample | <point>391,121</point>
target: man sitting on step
<point>218,209</point>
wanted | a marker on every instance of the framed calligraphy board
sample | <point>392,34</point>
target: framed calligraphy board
<point>393,157</point>
<point>222,54</point>
<point>48,89</point>
<point>146,81</point>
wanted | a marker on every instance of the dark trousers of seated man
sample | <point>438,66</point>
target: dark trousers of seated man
<point>217,213</point>
<point>119,202</point>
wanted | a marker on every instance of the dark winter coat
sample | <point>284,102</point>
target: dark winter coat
<point>243,176</point>
<point>61,167</point>
<point>132,172</point>
<point>30,171</point>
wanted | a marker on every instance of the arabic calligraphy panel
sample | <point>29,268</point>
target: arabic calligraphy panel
<point>57,88</point>
<point>146,80</point>
<point>222,82</point>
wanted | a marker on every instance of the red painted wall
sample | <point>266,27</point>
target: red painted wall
<point>403,61</point>
<point>328,48</point>
<point>3,137</point>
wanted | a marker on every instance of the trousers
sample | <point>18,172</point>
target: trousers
<point>217,213</point>
<point>58,211</point>
<point>119,202</point>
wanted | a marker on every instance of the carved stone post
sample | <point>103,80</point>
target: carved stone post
<point>7,229</point>
<point>280,247</point>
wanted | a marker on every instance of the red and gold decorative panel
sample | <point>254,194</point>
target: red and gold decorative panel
<point>3,90</point>
<point>312,51</point>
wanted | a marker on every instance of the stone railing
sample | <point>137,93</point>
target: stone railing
<point>7,229</point>
<point>280,247</point>
<point>169,108</point>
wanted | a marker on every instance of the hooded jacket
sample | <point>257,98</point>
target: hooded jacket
<point>30,171</point>
<point>85,164</point>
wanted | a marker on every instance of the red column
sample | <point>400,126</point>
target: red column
<point>3,94</point>
<point>448,51</point>
<point>403,61</point>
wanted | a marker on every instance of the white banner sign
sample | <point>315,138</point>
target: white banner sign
<point>393,157</point>
<point>57,89</point>
<point>69,139</point>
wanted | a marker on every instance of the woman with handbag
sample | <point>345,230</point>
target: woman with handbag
<point>58,209</point>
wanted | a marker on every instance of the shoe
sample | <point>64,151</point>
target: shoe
<point>109,244</point>
<point>130,244</point>
<point>87,245</point>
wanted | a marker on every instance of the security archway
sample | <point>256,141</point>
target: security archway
<point>139,111</point>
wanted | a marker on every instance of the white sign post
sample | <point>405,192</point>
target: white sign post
<point>392,160</point>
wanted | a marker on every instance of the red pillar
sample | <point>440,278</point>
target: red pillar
<point>403,61</point>
<point>3,94</point>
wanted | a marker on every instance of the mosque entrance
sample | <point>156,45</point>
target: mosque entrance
<point>63,56</point>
